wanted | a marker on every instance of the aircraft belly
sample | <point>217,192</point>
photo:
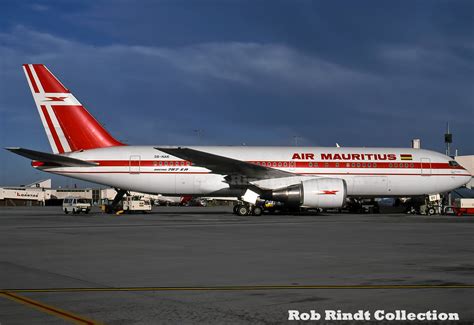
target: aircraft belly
<point>159,183</point>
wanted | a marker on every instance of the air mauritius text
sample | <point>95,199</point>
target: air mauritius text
<point>364,315</point>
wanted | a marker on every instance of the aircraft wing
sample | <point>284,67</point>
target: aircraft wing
<point>51,158</point>
<point>236,170</point>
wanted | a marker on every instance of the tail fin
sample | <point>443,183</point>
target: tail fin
<point>68,125</point>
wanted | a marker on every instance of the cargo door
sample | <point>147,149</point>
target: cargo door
<point>134,164</point>
<point>425,166</point>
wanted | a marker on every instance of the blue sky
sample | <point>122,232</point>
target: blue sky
<point>365,73</point>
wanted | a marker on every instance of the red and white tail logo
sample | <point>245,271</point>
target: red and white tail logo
<point>67,123</point>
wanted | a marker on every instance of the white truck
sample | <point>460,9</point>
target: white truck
<point>136,203</point>
<point>76,205</point>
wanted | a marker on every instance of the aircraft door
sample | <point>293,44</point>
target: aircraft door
<point>134,164</point>
<point>425,166</point>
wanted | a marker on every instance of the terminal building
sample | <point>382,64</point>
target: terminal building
<point>32,194</point>
<point>42,193</point>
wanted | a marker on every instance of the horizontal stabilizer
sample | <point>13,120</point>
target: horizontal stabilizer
<point>50,158</point>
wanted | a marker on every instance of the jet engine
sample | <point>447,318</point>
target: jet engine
<point>314,193</point>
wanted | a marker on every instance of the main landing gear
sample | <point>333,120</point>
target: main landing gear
<point>243,209</point>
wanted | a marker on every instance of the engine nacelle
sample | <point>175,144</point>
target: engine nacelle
<point>314,193</point>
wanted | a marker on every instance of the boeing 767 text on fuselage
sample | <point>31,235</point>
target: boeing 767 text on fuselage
<point>308,177</point>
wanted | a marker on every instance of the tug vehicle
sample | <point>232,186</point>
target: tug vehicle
<point>136,203</point>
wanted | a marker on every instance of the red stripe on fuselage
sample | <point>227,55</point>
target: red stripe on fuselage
<point>30,77</point>
<point>52,129</point>
<point>281,164</point>
<point>296,174</point>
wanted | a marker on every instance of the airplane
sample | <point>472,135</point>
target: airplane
<point>301,177</point>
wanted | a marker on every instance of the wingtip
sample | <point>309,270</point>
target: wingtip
<point>168,147</point>
<point>12,148</point>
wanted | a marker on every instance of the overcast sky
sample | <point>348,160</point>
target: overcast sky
<point>359,73</point>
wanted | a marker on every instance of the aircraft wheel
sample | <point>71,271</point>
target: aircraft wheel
<point>243,210</point>
<point>257,211</point>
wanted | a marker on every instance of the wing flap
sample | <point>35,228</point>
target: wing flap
<point>50,158</point>
<point>233,168</point>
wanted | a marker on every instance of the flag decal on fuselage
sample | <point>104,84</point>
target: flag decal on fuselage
<point>406,157</point>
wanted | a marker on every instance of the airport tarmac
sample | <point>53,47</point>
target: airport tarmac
<point>186,265</point>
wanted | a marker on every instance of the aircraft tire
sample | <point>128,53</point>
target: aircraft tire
<point>243,210</point>
<point>257,211</point>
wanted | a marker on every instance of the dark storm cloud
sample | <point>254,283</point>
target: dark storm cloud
<point>368,74</point>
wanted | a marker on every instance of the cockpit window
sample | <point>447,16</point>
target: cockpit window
<point>453,163</point>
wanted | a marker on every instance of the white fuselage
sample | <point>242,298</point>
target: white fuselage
<point>375,172</point>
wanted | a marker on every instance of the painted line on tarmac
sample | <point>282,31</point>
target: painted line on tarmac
<point>247,288</point>
<point>66,315</point>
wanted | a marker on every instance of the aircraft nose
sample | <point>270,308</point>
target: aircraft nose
<point>465,179</point>
<point>468,179</point>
